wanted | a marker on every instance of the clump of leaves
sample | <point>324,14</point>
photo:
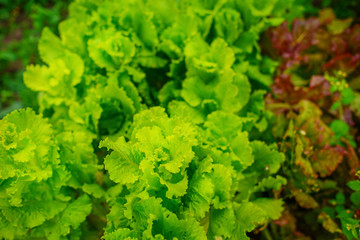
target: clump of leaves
<point>190,169</point>
<point>312,101</point>
<point>177,180</point>
<point>118,63</point>
<point>21,25</point>
<point>41,181</point>
<point>338,211</point>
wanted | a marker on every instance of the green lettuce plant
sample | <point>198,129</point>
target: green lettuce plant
<point>22,22</point>
<point>145,56</point>
<point>39,198</point>
<point>176,180</point>
<point>174,96</point>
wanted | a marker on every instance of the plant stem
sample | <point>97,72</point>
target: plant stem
<point>267,234</point>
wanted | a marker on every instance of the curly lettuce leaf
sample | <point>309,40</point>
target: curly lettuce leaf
<point>34,191</point>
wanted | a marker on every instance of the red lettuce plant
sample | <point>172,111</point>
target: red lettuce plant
<point>315,104</point>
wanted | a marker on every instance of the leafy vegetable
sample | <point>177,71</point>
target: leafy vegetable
<point>312,102</point>
<point>152,123</point>
<point>175,184</point>
<point>36,200</point>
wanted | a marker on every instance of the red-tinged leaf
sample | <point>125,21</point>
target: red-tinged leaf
<point>328,223</point>
<point>289,44</point>
<point>309,121</point>
<point>338,26</point>
<point>357,214</point>
<point>352,159</point>
<point>317,81</point>
<point>353,37</point>
<point>304,199</point>
<point>345,62</point>
<point>286,91</point>
<point>326,160</point>
<point>326,15</point>
<point>338,45</point>
<point>302,162</point>
<point>288,223</point>
<point>319,88</point>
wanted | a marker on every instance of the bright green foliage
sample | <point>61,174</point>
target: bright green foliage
<point>179,180</point>
<point>128,52</point>
<point>104,105</point>
<point>35,200</point>
<point>341,132</point>
<point>21,24</point>
<point>340,128</point>
<point>211,83</point>
<point>350,224</point>
<point>194,168</point>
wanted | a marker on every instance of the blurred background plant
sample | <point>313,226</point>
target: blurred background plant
<point>21,23</point>
<point>342,9</point>
<point>315,102</point>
